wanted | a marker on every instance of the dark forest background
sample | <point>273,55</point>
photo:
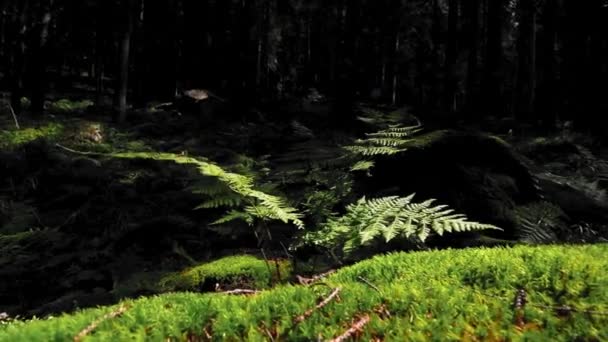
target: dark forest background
<point>141,139</point>
<point>543,62</point>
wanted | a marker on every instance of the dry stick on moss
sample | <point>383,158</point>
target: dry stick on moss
<point>326,301</point>
<point>355,328</point>
<point>241,292</point>
<point>78,152</point>
<point>14,116</point>
<point>370,284</point>
<point>89,329</point>
<point>314,279</point>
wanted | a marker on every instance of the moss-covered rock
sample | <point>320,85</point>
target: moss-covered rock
<point>243,271</point>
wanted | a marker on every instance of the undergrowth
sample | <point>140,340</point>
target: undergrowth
<point>450,295</point>
<point>11,139</point>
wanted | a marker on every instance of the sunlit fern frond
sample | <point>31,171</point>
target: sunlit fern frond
<point>273,207</point>
<point>389,218</point>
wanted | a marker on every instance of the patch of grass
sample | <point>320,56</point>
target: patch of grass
<point>15,138</point>
<point>445,296</point>
<point>242,271</point>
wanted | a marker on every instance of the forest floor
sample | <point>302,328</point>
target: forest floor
<point>92,229</point>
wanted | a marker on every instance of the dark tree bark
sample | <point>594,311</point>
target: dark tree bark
<point>101,42</point>
<point>575,60</point>
<point>471,33</point>
<point>39,56</point>
<point>548,95</point>
<point>18,52</point>
<point>196,44</point>
<point>129,10</point>
<point>526,50</point>
<point>597,37</point>
<point>159,50</point>
<point>451,57</point>
<point>493,78</point>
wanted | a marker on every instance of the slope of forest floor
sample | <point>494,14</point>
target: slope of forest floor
<point>91,229</point>
<point>548,293</point>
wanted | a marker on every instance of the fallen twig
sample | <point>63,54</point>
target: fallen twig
<point>370,284</point>
<point>355,328</point>
<point>14,116</point>
<point>89,329</point>
<point>240,292</point>
<point>326,301</point>
<point>78,152</point>
<point>314,279</point>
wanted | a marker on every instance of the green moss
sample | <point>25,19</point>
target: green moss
<point>449,295</point>
<point>236,271</point>
<point>65,106</point>
<point>15,138</point>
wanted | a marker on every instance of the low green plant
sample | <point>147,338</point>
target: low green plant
<point>388,218</point>
<point>64,106</point>
<point>450,295</point>
<point>15,138</point>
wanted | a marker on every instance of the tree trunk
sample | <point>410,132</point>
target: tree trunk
<point>18,51</point>
<point>547,90</point>
<point>125,51</point>
<point>492,84</point>
<point>100,51</point>
<point>451,58</point>
<point>159,51</point>
<point>526,49</point>
<point>472,34</point>
<point>39,56</point>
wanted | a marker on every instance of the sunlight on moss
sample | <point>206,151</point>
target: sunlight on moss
<point>15,138</point>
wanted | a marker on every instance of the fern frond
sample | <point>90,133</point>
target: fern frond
<point>540,223</point>
<point>234,215</point>
<point>274,207</point>
<point>367,221</point>
<point>370,151</point>
<point>362,165</point>
<point>229,200</point>
<point>390,141</point>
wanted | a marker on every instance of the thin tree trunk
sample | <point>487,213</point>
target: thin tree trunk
<point>18,55</point>
<point>396,71</point>
<point>472,34</point>
<point>547,91</point>
<point>492,84</point>
<point>125,51</point>
<point>39,56</point>
<point>451,57</point>
<point>526,48</point>
<point>100,42</point>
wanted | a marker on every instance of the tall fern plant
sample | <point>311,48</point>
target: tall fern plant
<point>232,191</point>
<point>382,220</point>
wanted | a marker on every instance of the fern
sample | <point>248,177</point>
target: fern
<point>387,219</point>
<point>240,191</point>
<point>540,223</point>
<point>392,140</point>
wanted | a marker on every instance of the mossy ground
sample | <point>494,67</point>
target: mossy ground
<point>438,295</point>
